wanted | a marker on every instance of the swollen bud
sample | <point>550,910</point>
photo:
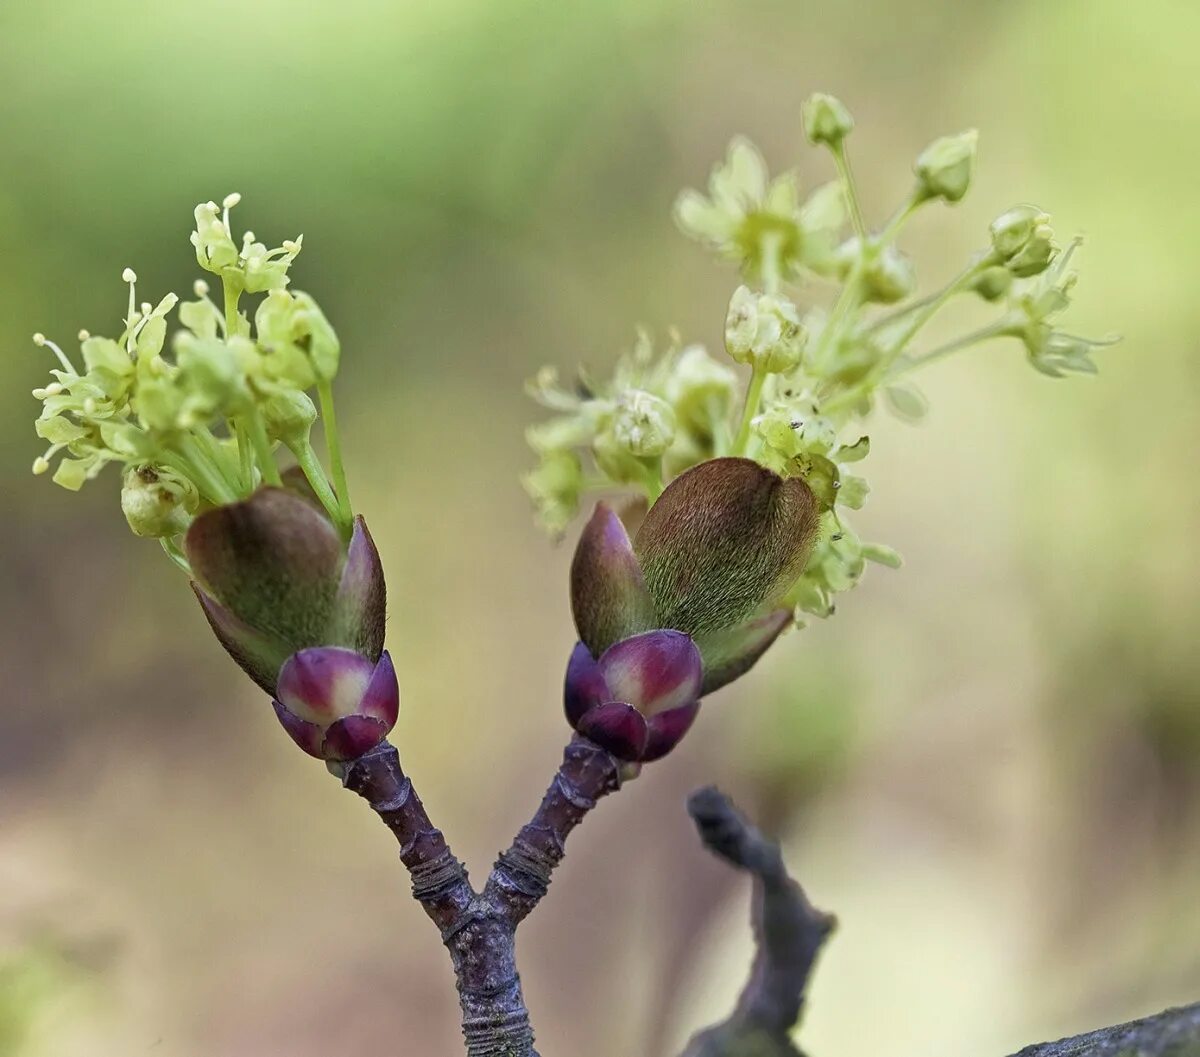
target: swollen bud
<point>156,502</point>
<point>764,331</point>
<point>993,283</point>
<point>944,167</point>
<point>639,698</point>
<point>336,704</point>
<point>274,577</point>
<point>826,119</point>
<point>289,417</point>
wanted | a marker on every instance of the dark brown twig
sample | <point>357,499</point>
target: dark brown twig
<point>521,875</point>
<point>479,930</point>
<point>788,930</point>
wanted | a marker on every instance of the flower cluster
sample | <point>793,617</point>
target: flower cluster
<point>791,400</point>
<point>288,578</point>
<point>197,417</point>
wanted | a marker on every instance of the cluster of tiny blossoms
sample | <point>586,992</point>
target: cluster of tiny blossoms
<point>196,419</point>
<point>810,375</point>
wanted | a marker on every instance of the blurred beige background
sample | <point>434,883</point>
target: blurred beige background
<point>986,763</point>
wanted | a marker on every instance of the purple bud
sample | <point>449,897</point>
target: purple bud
<point>667,730</point>
<point>360,605</point>
<point>640,698</point>
<point>657,671</point>
<point>274,577</point>
<point>609,599</point>
<point>585,687</point>
<point>335,703</point>
<point>618,727</point>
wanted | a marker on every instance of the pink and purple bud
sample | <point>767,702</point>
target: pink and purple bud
<point>275,577</point>
<point>712,558</point>
<point>640,698</point>
<point>336,704</point>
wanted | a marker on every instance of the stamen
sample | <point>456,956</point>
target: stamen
<point>83,335</point>
<point>200,288</point>
<point>40,340</point>
<point>130,276</point>
<point>42,463</point>
<point>227,203</point>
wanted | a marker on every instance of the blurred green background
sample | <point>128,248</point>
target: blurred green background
<point>985,764</point>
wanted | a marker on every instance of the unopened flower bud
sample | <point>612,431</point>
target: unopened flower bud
<point>944,167</point>
<point>993,283</point>
<point>289,417</point>
<point>764,330</point>
<point>1023,239</point>
<point>700,389</point>
<point>888,276</point>
<point>1036,255</point>
<point>1014,227</point>
<point>335,703</point>
<point>156,502</point>
<point>643,424</point>
<point>826,119</point>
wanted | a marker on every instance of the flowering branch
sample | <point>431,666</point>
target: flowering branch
<point>736,531</point>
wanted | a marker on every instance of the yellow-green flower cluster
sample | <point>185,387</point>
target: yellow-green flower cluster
<point>196,416</point>
<point>658,415</point>
<point>811,374</point>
